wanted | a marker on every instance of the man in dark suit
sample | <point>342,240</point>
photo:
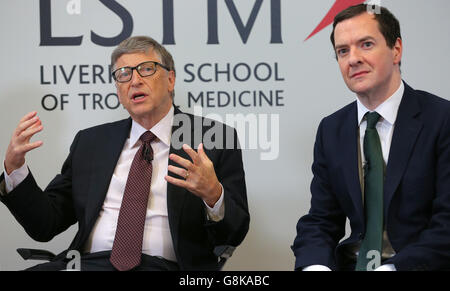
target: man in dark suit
<point>193,202</point>
<point>409,217</point>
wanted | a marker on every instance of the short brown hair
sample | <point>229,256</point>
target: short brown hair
<point>389,25</point>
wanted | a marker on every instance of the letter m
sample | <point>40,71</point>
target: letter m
<point>244,29</point>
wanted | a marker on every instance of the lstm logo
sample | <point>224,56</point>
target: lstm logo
<point>214,8</point>
<point>337,7</point>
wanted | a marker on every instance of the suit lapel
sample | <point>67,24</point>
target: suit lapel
<point>406,131</point>
<point>176,195</point>
<point>349,141</point>
<point>107,153</point>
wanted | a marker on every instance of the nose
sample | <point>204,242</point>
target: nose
<point>136,79</point>
<point>355,58</point>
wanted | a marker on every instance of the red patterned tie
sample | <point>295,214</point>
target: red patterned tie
<point>127,247</point>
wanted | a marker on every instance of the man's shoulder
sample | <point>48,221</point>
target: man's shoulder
<point>213,133</point>
<point>336,118</point>
<point>431,106</point>
<point>428,99</point>
<point>344,111</point>
<point>196,120</point>
<point>107,126</point>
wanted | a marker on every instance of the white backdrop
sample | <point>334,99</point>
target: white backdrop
<point>302,75</point>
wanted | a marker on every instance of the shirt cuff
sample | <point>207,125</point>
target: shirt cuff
<point>316,268</point>
<point>217,212</point>
<point>387,267</point>
<point>15,178</point>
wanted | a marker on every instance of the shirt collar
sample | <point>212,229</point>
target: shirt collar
<point>388,109</point>
<point>162,130</point>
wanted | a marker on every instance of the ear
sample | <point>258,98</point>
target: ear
<point>397,51</point>
<point>171,78</point>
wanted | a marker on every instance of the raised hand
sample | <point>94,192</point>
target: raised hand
<point>199,175</point>
<point>20,143</point>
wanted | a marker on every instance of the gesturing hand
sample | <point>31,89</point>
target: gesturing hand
<point>199,175</point>
<point>20,143</point>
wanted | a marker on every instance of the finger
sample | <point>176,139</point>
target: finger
<point>181,161</point>
<point>28,116</point>
<point>39,122</point>
<point>29,146</point>
<point>22,150</point>
<point>33,129</point>
<point>177,182</point>
<point>193,154</point>
<point>29,132</point>
<point>26,124</point>
<point>178,171</point>
<point>201,152</point>
<point>25,121</point>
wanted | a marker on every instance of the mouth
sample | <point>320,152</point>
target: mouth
<point>138,96</point>
<point>359,74</point>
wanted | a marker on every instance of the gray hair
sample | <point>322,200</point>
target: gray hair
<point>143,44</point>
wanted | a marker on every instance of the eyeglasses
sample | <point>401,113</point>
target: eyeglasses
<point>144,69</point>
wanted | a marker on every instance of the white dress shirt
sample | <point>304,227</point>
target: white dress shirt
<point>157,240</point>
<point>385,128</point>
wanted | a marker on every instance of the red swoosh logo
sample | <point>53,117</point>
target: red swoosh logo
<point>337,7</point>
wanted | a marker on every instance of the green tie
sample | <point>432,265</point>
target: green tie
<point>373,197</point>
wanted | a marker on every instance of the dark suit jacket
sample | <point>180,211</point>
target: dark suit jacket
<point>77,194</point>
<point>416,190</point>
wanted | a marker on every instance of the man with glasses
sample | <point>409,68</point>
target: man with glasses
<point>142,199</point>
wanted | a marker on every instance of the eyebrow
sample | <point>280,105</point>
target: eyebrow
<point>366,38</point>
